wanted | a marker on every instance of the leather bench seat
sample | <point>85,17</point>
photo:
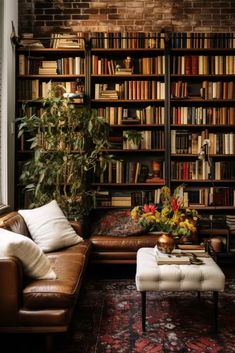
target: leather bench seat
<point>58,293</point>
<point>115,249</point>
<point>69,265</point>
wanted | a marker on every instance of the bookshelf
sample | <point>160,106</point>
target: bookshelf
<point>175,89</point>
<point>42,63</point>
<point>202,101</point>
<point>128,89</point>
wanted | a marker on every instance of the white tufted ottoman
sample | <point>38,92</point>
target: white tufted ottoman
<point>153,277</point>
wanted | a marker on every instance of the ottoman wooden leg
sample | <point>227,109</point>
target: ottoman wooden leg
<point>143,309</point>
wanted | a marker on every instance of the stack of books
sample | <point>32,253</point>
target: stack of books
<point>48,67</point>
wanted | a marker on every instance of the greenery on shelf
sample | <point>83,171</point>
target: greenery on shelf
<point>69,144</point>
<point>133,136</point>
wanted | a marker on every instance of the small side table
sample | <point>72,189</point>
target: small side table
<point>153,277</point>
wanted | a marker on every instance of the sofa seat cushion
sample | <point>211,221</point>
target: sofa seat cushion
<point>58,293</point>
<point>102,243</point>
<point>82,248</point>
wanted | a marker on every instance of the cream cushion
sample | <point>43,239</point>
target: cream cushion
<point>153,277</point>
<point>35,262</point>
<point>49,227</point>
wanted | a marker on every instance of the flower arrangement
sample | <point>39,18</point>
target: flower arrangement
<point>170,216</point>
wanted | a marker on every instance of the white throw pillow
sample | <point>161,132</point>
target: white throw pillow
<point>49,227</point>
<point>35,262</point>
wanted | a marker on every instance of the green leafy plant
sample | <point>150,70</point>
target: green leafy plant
<point>134,136</point>
<point>69,144</point>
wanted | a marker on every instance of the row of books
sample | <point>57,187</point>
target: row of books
<point>143,66</point>
<point>28,65</point>
<point>121,116</point>
<point>193,197</point>
<point>186,142</point>
<point>125,40</point>
<point>223,170</point>
<point>203,115</point>
<point>203,40</point>
<point>36,89</point>
<point>67,40</point>
<point>203,65</point>
<point>189,40</point>
<point>210,196</point>
<point>205,90</point>
<point>122,171</point>
<point>129,199</point>
<point>131,90</point>
<point>196,170</point>
<point>217,90</point>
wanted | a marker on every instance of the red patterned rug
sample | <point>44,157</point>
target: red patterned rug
<point>108,320</point>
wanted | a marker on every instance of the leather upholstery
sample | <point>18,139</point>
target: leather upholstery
<point>29,305</point>
<point>110,249</point>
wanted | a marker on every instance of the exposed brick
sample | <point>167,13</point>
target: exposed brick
<point>62,17</point>
<point>108,11</point>
<point>81,6</point>
<point>43,4</point>
<point>139,15</point>
<point>91,11</point>
<point>44,17</point>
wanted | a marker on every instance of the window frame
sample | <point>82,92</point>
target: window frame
<point>9,15</point>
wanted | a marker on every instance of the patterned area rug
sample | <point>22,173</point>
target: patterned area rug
<point>108,320</point>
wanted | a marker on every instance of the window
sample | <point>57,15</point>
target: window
<point>8,13</point>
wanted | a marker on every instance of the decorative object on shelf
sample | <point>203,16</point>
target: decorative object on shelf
<point>166,243</point>
<point>169,216</point>
<point>204,155</point>
<point>128,62</point>
<point>132,139</point>
<point>216,244</point>
<point>68,143</point>
<point>156,172</point>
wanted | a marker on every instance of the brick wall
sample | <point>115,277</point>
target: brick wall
<point>42,17</point>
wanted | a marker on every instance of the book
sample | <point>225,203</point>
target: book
<point>193,247</point>
<point>173,260</point>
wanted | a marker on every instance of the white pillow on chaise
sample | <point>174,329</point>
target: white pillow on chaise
<point>49,227</point>
<point>34,261</point>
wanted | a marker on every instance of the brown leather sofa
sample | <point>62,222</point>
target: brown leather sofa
<point>46,306</point>
<point>40,306</point>
<point>119,250</point>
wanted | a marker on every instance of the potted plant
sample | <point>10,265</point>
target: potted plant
<point>68,143</point>
<point>132,139</point>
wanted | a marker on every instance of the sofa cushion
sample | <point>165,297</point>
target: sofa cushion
<point>59,293</point>
<point>35,262</point>
<point>49,227</point>
<point>116,223</point>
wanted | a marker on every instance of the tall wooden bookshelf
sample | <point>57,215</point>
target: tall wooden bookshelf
<point>39,67</point>
<point>202,102</point>
<point>133,67</point>
<point>176,89</point>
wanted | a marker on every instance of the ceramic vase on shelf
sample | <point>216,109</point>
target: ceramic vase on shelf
<point>166,243</point>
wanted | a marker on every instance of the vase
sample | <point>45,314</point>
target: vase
<point>166,243</point>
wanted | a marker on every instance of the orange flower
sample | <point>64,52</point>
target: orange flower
<point>175,204</point>
<point>149,209</point>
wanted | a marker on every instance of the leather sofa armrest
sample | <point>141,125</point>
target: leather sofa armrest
<point>78,227</point>
<point>11,279</point>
